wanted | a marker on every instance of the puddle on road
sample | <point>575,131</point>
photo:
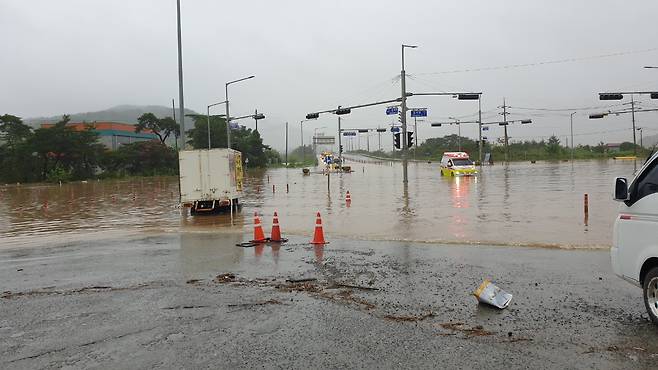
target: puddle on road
<point>526,204</point>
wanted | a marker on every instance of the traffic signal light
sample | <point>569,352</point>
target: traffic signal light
<point>341,111</point>
<point>410,139</point>
<point>654,95</point>
<point>400,116</point>
<point>615,96</point>
<point>468,97</point>
<point>312,115</point>
<point>341,149</point>
<point>381,130</point>
<point>396,140</point>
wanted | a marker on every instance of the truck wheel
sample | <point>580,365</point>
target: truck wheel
<point>651,294</point>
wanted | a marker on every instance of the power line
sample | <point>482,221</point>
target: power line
<point>555,61</point>
<point>568,109</point>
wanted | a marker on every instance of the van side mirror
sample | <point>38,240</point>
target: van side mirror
<point>621,189</point>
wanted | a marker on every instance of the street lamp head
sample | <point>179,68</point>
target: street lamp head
<point>597,115</point>
<point>409,46</point>
<point>240,79</point>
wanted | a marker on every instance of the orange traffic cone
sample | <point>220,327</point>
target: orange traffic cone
<point>276,230</point>
<point>259,235</point>
<point>348,198</point>
<point>318,236</point>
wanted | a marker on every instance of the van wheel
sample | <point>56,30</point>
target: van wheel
<point>651,294</point>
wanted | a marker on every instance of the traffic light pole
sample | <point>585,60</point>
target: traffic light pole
<point>481,144</point>
<point>403,118</point>
<point>415,132</point>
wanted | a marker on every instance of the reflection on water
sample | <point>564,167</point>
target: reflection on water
<point>520,203</point>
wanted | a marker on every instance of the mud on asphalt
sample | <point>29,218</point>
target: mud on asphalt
<point>152,302</point>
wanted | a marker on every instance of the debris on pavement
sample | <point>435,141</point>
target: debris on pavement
<point>339,285</point>
<point>492,295</point>
<point>410,318</point>
<point>183,307</point>
<point>269,301</point>
<point>225,278</point>
<point>302,280</point>
<point>477,331</point>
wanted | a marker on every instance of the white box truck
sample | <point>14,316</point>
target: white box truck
<point>211,180</point>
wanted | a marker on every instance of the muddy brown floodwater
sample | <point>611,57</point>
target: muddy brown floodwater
<point>517,204</point>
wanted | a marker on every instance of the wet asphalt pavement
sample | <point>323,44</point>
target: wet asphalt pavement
<point>195,300</point>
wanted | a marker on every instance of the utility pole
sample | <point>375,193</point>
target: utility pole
<point>180,78</point>
<point>505,125</point>
<point>340,145</point>
<point>459,135</point>
<point>633,116</point>
<point>379,139</point>
<point>301,133</point>
<point>286,144</point>
<point>256,119</point>
<point>641,144</point>
<point>368,141</point>
<point>572,135</point>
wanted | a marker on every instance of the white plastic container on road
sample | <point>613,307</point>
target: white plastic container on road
<point>492,295</point>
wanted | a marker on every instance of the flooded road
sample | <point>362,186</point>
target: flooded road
<point>517,204</point>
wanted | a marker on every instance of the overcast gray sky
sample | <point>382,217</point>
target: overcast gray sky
<point>71,56</point>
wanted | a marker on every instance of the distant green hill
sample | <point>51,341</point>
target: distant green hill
<point>120,113</point>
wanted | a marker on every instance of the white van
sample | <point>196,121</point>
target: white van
<point>634,252</point>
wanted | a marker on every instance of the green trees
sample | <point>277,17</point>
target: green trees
<point>303,156</point>
<point>13,131</point>
<point>16,164</point>
<point>245,140</point>
<point>56,153</point>
<point>161,127</point>
<point>144,158</point>
<point>67,153</point>
<point>434,147</point>
<point>62,152</point>
<point>553,147</point>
